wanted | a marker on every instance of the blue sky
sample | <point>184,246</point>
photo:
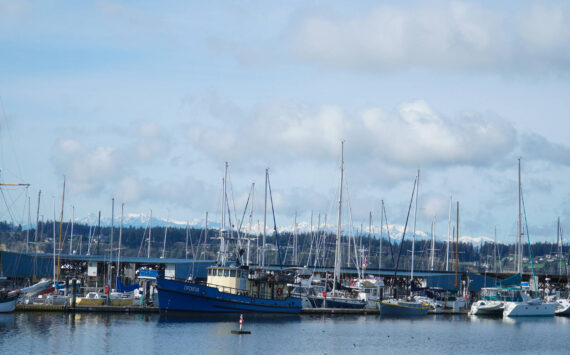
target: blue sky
<point>144,102</point>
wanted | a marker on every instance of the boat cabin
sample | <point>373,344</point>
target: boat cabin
<point>249,282</point>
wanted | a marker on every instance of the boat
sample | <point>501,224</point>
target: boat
<point>408,307</point>
<point>231,287</point>
<point>90,299</point>
<point>338,298</point>
<point>229,290</point>
<point>525,306</point>
<point>562,307</point>
<point>487,308</point>
<point>8,301</point>
<point>403,308</point>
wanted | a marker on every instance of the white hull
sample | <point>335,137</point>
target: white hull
<point>563,308</point>
<point>526,309</point>
<point>487,308</point>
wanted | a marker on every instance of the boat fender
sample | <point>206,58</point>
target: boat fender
<point>351,282</point>
<point>279,292</point>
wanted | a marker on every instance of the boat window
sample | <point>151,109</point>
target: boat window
<point>233,273</point>
<point>214,272</point>
<point>209,272</point>
<point>226,272</point>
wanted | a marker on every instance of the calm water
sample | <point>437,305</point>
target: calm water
<point>54,333</point>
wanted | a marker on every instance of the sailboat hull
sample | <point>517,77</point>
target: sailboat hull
<point>337,302</point>
<point>394,308</point>
<point>8,303</point>
<point>180,296</point>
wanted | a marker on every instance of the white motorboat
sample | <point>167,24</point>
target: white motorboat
<point>525,306</point>
<point>487,308</point>
<point>562,307</point>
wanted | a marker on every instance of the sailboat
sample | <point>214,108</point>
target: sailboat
<point>408,307</point>
<point>523,305</point>
<point>230,287</point>
<point>338,298</point>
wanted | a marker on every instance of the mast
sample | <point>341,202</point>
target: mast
<point>432,241</point>
<point>71,237</point>
<point>149,236</point>
<point>60,228</point>
<point>248,259</point>
<point>120,240</point>
<point>559,241</point>
<point>448,235</point>
<point>54,262</point>
<point>206,235</point>
<point>264,221</point>
<point>457,249</point>
<point>164,240</point>
<point>295,240</point>
<point>186,248</point>
<point>29,224</point>
<point>519,226</point>
<point>337,256</point>
<point>111,246</point>
<point>367,260</point>
<point>495,252</point>
<point>414,232</point>
<point>36,234</point>
<point>381,235</point>
<point>222,254</point>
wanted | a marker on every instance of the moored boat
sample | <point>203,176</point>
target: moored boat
<point>562,307</point>
<point>8,301</point>
<point>402,308</point>
<point>90,299</point>
<point>227,290</point>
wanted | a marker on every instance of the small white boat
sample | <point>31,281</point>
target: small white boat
<point>487,308</point>
<point>562,307</point>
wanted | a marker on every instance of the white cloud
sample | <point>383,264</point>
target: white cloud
<point>440,35</point>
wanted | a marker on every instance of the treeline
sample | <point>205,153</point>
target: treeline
<point>312,248</point>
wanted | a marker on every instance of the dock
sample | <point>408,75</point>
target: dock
<point>371,311</point>
<point>94,309</point>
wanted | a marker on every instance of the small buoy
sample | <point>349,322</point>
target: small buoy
<point>240,331</point>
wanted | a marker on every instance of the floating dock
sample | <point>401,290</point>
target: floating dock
<point>370,311</point>
<point>95,309</point>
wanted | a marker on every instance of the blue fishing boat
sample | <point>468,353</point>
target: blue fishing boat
<point>229,290</point>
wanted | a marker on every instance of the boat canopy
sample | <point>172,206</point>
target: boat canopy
<point>514,280</point>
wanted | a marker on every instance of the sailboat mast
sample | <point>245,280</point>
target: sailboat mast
<point>29,224</point>
<point>36,234</point>
<point>249,225</point>
<point>337,257</point>
<point>295,240</point>
<point>433,241</point>
<point>60,228</point>
<point>71,237</point>
<point>559,247</point>
<point>120,241</point>
<point>448,235</point>
<point>519,226</point>
<point>457,249</point>
<point>149,236</point>
<point>264,221</point>
<point>381,236</point>
<point>414,233</point>
<point>111,246</point>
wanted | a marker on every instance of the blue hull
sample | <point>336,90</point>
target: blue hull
<point>335,302</point>
<point>189,297</point>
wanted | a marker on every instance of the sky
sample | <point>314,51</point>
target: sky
<point>144,102</point>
